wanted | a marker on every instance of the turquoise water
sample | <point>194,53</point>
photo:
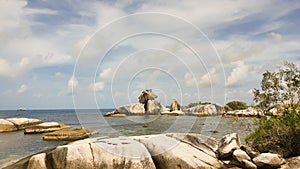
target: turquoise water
<point>15,145</point>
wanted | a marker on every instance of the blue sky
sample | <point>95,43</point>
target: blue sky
<point>101,54</point>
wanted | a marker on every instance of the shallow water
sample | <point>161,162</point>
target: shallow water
<point>14,145</point>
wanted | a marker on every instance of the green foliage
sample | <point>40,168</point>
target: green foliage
<point>279,134</point>
<point>279,88</point>
<point>237,105</point>
<point>196,103</point>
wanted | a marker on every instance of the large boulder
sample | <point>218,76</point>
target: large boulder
<point>69,134</point>
<point>111,153</point>
<point>154,107</point>
<point>22,123</point>
<point>268,160</point>
<point>205,110</point>
<point>178,151</point>
<point>132,109</point>
<point>6,126</point>
<point>228,144</point>
<point>45,127</point>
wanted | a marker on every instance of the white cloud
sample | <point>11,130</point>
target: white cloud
<point>106,74</point>
<point>72,83</point>
<point>276,36</point>
<point>22,88</point>
<point>97,87</point>
<point>238,74</point>
<point>12,70</point>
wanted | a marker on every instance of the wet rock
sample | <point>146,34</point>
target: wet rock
<point>45,128</point>
<point>178,152</point>
<point>240,155</point>
<point>248,164</point>
<point>22,123</point>
<point>268,160</point>
<point>228,144</point>
<point>6,126</point>
<point>69,134</point>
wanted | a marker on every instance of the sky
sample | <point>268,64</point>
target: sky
<point>102,54</point>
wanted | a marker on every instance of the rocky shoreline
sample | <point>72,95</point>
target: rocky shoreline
<point>165,151</point>
<point>51,130</point>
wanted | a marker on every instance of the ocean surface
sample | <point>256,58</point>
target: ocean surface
<point>15,145</point>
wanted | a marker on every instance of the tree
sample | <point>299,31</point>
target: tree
<point>237,105</point>
<point>281,87</point>
<point>280,134</point>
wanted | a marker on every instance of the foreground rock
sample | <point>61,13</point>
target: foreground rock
<point>45,128</point>
<point>228,144</point>
<point>268,160</point>
<point>22,123</point>
<point>163,151</point>
<point>6,126</point>
<point>169,151</point>
<point>204,110</point>
<point>292,163</point>
<point>69,134</point>
<point>181,151</point>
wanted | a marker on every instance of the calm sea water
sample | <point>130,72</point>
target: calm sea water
<point>14,145</point>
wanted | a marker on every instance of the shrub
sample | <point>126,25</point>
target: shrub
<point>237,105</point>
<point>197,103</point>
<point>278,135</point>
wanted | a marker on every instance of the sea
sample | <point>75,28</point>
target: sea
<point>16,145</point>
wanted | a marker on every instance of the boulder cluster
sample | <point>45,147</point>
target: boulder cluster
<point>163,151</point>
<point>52,130</point>
<point>234,154</point>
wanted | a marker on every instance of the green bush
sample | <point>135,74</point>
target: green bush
<point>197,103</point>
<point>279,135</point>
<point>237,105</point>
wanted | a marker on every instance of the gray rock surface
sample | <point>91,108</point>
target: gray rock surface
<point>268,159</point>
<point>6,126</point>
